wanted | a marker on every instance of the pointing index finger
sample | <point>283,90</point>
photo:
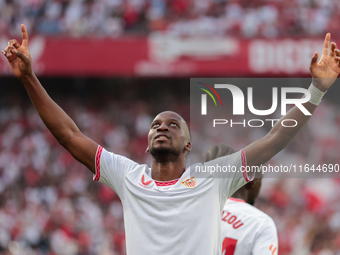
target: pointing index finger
<point>24,35</point>
<point>326,44</point>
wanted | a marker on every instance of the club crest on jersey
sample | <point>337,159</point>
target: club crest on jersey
<point>144,183</point>
<point>190,183</point>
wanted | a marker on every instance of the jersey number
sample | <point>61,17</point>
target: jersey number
<point>228,246</point>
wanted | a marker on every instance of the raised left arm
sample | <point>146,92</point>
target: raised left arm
<point>324,74</point>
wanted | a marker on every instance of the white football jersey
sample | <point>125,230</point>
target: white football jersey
<point>247,231</point>
<point>176,217</point>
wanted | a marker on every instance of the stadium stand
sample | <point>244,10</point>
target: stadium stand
<point>244,18</point>
<point>49,205</point>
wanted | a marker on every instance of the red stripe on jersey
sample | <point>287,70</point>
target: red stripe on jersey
<point>236,199</point>
<point>98,154</point>
<point>166,183</point>
<point>244,164</point>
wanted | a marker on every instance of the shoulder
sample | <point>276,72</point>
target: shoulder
<point>106,160</point>
<point>258,216</point>
<point>264,221</point>
<point>108,155</point>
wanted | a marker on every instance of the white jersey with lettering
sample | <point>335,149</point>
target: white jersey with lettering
<point>247,231</point>
<point>176,217</point>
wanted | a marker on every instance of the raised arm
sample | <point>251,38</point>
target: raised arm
<point>56,120</point>
<point>324,74</point>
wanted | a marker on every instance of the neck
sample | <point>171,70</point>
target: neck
<point>240,194</point>
<point>167,171</point>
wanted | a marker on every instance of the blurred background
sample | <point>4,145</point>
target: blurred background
<point>112,65</point>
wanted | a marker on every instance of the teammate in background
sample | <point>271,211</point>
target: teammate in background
<point>245,229</point>
<point>167,211</point>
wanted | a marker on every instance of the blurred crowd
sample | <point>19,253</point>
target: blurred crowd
<point>243,18</point>
<point>49,204</point>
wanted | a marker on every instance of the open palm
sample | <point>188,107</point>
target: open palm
<point>327,69</point>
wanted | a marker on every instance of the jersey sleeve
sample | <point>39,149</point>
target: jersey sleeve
<point>266,242</point>
<point>111,169</point>
<point>232,174</point>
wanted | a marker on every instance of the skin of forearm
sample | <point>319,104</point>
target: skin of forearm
<point>56,120</point>
<point>281,135</point>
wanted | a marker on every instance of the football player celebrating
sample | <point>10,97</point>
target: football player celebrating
<point>245,229</point>
<point>167,211</point>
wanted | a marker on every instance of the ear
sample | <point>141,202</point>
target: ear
<point>147,150</point>
<point>187,147</point>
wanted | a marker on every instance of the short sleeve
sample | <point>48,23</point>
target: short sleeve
<point>111,169</point>
<point>267,240</point>
<point>232,173</point>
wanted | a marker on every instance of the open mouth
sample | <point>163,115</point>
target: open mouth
<point>162,137</point>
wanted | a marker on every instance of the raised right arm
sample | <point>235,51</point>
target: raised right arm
<point>56,120</point>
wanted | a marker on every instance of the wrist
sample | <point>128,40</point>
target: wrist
<point>316,94</point>
<point>317,84</point>
<point>27,77</point>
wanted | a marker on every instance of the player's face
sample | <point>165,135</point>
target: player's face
<point>168,130</point>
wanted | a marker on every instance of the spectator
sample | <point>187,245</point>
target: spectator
<point>46,199</point>
<point>242,18</point>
